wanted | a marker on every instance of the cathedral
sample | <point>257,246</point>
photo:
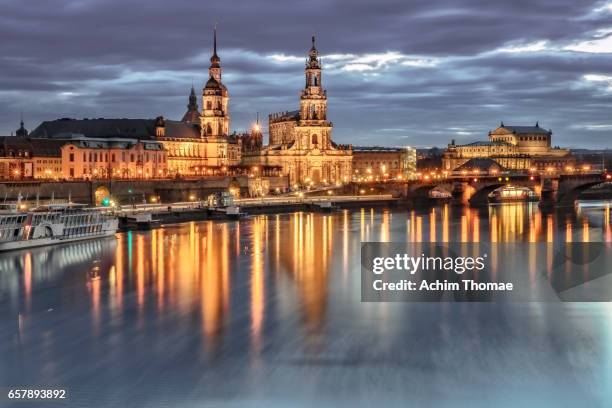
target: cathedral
<point>300,141</point>
<point>300,145</point>
<point>197,145</point>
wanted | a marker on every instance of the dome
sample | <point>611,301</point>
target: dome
<point>212,84</point>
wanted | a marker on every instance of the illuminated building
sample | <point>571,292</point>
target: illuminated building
<point>47,159</point>
<point>199,144</point>
<point>23,157</point>
<point>15,158</point>
<point>300,141</point>
<point>513,148</point>
<point>381,163</point>
<point>89,158</point>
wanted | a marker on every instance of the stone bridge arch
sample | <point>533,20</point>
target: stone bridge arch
<point>569,190</point>
<point>481,195</point>
<point>421,191</point>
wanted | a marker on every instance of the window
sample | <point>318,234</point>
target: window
<point>208,105</point>
<point>71,157</point>
<point>314,140</point>
<point>132,158</point>
<point>113,157</point>
<point>71,172</point>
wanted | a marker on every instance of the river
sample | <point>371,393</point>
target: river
<point>266,311</point>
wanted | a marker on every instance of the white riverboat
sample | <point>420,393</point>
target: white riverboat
<point>52,224</point>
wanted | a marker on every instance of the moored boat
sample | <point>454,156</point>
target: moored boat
<point>511,194</point>
<point>53,224</point>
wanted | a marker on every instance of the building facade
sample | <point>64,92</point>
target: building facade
<point>301,141</point>
<point>26,158</point>
<point>513,148</point>
<point>121,158</point>
<point>376,163</point>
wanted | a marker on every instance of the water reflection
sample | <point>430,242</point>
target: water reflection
<point>220,288</point>
<point>177,266</point>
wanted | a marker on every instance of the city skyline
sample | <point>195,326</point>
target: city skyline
<point>417,74</point>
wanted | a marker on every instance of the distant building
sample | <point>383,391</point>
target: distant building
<point>300,141</point>
<point>15,158</point>
<point>513,148</point>
<point>26,158</point>
<point>383,163</point>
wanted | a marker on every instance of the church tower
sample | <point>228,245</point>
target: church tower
<point>215,117</point>
<point>193,114</point>
<point>313,105</point>
<point>22,131</point>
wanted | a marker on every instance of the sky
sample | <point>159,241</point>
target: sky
<point>397,72</point>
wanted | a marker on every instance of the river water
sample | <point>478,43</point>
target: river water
<point>266,311</point>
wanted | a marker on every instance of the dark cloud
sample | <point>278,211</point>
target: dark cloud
<point>397,71</point>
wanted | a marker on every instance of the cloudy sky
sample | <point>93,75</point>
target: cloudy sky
<point>397,72</point>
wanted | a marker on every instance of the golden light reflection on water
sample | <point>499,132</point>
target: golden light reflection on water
<point>195,268</point>
<point>257,279</point>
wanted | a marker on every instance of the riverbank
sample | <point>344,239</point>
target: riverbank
<point>176,213</point>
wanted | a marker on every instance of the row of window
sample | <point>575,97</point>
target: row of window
<point>13,220</point>
<point>94,157</point>
<point>378,164</point>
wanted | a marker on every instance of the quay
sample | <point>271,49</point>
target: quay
<point>196,211</point>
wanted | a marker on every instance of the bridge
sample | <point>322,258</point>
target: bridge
<point>561,189</point>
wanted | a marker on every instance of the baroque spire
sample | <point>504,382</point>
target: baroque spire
<point>215,61</point>
<point>193,100</point>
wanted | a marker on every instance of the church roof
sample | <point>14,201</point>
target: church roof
<point>104,128</point>
<point>191,116</point>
